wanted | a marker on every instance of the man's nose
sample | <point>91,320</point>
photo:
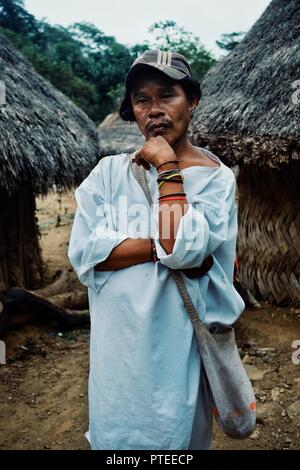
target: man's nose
<point>155,109</point>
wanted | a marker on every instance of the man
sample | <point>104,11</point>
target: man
<point>145,386</point>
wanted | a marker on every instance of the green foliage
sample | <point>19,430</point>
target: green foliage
<point>229,41</point>
<point>84,63</point>
<point>81,61</point>
<point>116,94</point>
<point>138,49</point>
<point>169,36</point>
<point>14,17</point>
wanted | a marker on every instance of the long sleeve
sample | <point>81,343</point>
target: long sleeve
<point>202,229</point>
<point>91,240</point>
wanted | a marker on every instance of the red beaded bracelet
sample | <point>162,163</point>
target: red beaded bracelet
<point>182,198</point>
<point>154,253</point>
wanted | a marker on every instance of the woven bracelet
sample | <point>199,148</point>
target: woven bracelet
<point>168,172</point>
<point>169,180</point>
<point>173,194</point>
<point>170,161</point>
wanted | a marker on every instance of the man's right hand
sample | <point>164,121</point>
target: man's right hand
<point>193,273</point>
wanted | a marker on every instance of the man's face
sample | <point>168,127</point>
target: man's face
<point>160,107</point>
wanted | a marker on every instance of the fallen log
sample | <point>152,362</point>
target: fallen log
<point>61,284</point>
<point>76,300</point>
<point>19,307</point>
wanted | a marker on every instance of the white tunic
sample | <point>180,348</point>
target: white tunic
<point>145,389</point>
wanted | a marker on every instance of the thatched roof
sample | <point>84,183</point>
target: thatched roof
<point>250,108</point>
<point>117,136</point>
<point>45,138</point>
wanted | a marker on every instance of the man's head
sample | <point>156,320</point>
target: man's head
<point>160,91</point>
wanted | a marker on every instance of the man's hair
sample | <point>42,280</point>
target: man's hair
<point>190,87</point>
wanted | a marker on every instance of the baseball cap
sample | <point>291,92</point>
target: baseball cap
<point>173,64</point>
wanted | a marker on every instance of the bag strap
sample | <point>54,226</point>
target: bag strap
<point>140,175</point>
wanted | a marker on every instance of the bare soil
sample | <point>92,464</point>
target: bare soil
<point>43,386</point>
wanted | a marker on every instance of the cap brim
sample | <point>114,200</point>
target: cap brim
<point>171,72</point>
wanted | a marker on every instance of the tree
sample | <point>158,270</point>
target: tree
<point>229,41</point>
<point>138,49</point>
<point>81,61</point>
<point>169,36</point>
<point>86,64</point>
<point>116,94</point>
<point>108,62</point>
<point>14,17</point>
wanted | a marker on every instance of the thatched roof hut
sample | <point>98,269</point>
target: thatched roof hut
<point>117,136</point>
<point>45,139</point>
<point>249,115</point>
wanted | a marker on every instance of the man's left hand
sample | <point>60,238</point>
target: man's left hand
<point>154,152</point>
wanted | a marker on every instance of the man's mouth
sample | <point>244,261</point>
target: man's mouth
<point>158,128</point>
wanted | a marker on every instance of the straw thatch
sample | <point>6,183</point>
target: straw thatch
<point>269,232</point>
<point>249,115</point>
<point>117,136</point>
<point>250,108</point>
<point>45,138</point>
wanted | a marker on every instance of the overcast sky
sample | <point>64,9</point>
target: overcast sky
<point>128,20</point>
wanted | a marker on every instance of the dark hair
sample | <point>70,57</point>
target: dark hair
<point>190,86</point>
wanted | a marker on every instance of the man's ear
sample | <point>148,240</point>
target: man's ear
<point>194,103</point>
<point>193,107</point>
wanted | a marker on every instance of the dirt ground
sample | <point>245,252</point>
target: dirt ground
<point>43,386</point>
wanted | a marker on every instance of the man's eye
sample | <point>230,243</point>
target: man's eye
<point>167,95</point>
<point>141,100</point>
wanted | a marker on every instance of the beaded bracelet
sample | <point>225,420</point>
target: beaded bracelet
<point>178,198</point>
<point>154,256</point>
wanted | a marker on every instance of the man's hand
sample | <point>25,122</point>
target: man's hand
<point>154,152</point>
<point>199,272</point>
